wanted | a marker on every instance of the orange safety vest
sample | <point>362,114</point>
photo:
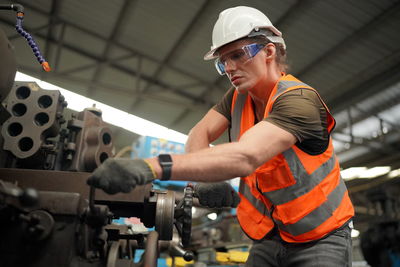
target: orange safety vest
<point>302,195</point>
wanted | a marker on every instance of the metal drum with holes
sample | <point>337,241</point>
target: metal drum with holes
<point>36,114</point>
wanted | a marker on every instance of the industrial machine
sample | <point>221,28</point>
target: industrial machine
<point>380,243</point>
<point>49,216</point>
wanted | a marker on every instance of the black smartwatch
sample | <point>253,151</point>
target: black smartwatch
<point>165,162</point>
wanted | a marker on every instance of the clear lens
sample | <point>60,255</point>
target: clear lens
<point>253,49</point>
<point>220,67</point>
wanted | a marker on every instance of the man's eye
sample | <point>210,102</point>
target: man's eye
<point>237,55</point>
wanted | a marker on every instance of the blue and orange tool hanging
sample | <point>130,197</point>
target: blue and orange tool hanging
<point>18,26</point>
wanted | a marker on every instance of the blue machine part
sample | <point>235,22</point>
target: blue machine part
<point>394,258</point>
<point>138,256</point>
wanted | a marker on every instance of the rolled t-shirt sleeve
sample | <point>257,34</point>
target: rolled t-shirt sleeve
<point>224,106</point>
<point>301,113</point>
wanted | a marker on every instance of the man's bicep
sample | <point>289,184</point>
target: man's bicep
<point>224,105</point>
<point>299,112</point>
<point>266,140</point>
<point>214,123</point>
<point>207,130</point>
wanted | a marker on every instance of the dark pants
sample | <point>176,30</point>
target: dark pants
<point>331,251</point>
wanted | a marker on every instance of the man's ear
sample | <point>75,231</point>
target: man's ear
<point>270,51</point>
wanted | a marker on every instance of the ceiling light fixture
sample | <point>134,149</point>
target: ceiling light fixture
<point>364,172</point>
<point>355,233</point>
<point>394,173</point>
<point>212,216</point>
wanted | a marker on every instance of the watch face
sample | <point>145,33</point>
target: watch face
<point>165,158</point>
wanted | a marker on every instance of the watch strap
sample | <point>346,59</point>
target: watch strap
<point>165,161</point>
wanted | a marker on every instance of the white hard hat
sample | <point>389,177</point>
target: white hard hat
<point>238,22</point>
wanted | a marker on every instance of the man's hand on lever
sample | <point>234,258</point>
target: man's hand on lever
<point>117,175</point>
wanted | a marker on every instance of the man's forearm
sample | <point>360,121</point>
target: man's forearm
<point>212,164</point>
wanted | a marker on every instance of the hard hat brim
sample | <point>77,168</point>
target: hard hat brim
<point>210,54</point>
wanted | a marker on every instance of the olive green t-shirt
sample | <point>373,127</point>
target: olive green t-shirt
<point>298,111</point>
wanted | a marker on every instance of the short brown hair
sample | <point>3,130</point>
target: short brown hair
<point>281,58</point>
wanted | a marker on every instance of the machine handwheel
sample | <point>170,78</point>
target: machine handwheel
<point>183,216</point>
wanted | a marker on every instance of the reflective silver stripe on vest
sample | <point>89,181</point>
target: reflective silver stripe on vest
<point>304,182</point>
<point>317,216</point>
<point>258,204</point>
<point>283,85</point>
<point>237,116</point>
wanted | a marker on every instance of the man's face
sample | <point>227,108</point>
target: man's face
<point>243,74</point>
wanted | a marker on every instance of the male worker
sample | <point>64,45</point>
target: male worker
<point>293,202</point>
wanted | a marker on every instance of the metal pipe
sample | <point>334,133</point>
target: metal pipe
<point>151,251</point>
<point>16,7</point>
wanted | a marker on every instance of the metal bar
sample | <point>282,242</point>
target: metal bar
<point>55,7</point>
<point>138,76</point>
<point>59,46</point>
<point>350,125</point>
<point>92,65</point>
<point>151,251</point>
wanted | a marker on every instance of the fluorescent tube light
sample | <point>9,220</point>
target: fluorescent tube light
<point>111,115</point>
<point>375,172</point>
<point>355,233</point>
<point>352,173</point>
<point>212,216</point>
<point>394,173</point>
<point>364,172</point>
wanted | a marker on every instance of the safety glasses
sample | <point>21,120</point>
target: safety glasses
<point>241,55</point>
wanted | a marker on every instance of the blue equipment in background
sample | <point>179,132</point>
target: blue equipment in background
<point>148,147</point>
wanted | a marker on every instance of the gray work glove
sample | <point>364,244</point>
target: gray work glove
<point>216,195</point>
<point>121,175</point>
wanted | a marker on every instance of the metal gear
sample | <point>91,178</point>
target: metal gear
<point>183,216</point>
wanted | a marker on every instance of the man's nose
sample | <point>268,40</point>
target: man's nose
<point>230,65</point>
